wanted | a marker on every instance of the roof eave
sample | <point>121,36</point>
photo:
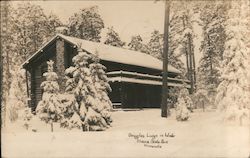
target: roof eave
<point>40,50</point>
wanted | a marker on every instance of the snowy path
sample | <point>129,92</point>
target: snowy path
<point>203,136</point>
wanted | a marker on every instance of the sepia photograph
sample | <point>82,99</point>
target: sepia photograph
<point>125,78</point>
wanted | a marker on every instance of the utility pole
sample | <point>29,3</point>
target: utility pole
<point>164,101</point>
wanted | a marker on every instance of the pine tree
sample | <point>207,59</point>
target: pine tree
<point>201,99</point>
<point>173,94</point>
<point>53,22</point>
<point>70,117</point>
<point>137,44</point>
<point>182,113</point>
<point>184,105</point>
<point>113,39</point>
<point>17,99</point>
<point>155,49</point>
<point>181,38</point>
<point>27,117</point>
<point>155,45</point>
<point>93,111</point>
<point>26,28</point>
<point>188,45</point>
<point>213,18</point>
<point>31,28</point>
<point>86,24</point>
<point>233,91</point>
<point>6,50</point>
<point>48,108</point>
<point>100,81</point>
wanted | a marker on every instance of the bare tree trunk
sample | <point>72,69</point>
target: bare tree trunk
<point>8,70</point>
<point>4,66</point>
<point>51,126</point>
<point>187,62</point>
<point>186,51</point>
<point>203,106</point>
<point>190,63</point>
<point>194,70</point>
<point>210,60</point>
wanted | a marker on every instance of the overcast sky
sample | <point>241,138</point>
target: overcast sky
<point>127,17</point>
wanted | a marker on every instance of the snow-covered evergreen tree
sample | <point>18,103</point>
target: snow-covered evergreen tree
<point>31,28</point>
<point>70,111</point>
<point>201,99</point>
<point>213,16</point>
<point>113,39</point>
<point>25,28</point>
<point>102,86</point>
<point>187,43</point>
<point>155,44</point>
<point>137,44</point>
<point>233,91</point>
<point>183,105</point>
<point>182,113</point>
<point>184,93</point>
<point>27,116</point>
<point>48,109</point>
<point>176,27</point>
<point>6,40</point>
<point>86,24</point>
<point>173,96</point>
<point>17,99</point>
<point>93,107</point>
<point>155,49</point>
<point>181,35</point>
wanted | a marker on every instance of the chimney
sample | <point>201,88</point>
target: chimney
<point>62,30</point>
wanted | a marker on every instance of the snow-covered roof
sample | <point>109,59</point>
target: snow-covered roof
<point>114,54</point>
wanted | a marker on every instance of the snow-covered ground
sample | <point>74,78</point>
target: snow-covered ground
<point>204,135</point>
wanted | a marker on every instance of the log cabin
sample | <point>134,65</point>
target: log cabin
<point>135,77</point>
